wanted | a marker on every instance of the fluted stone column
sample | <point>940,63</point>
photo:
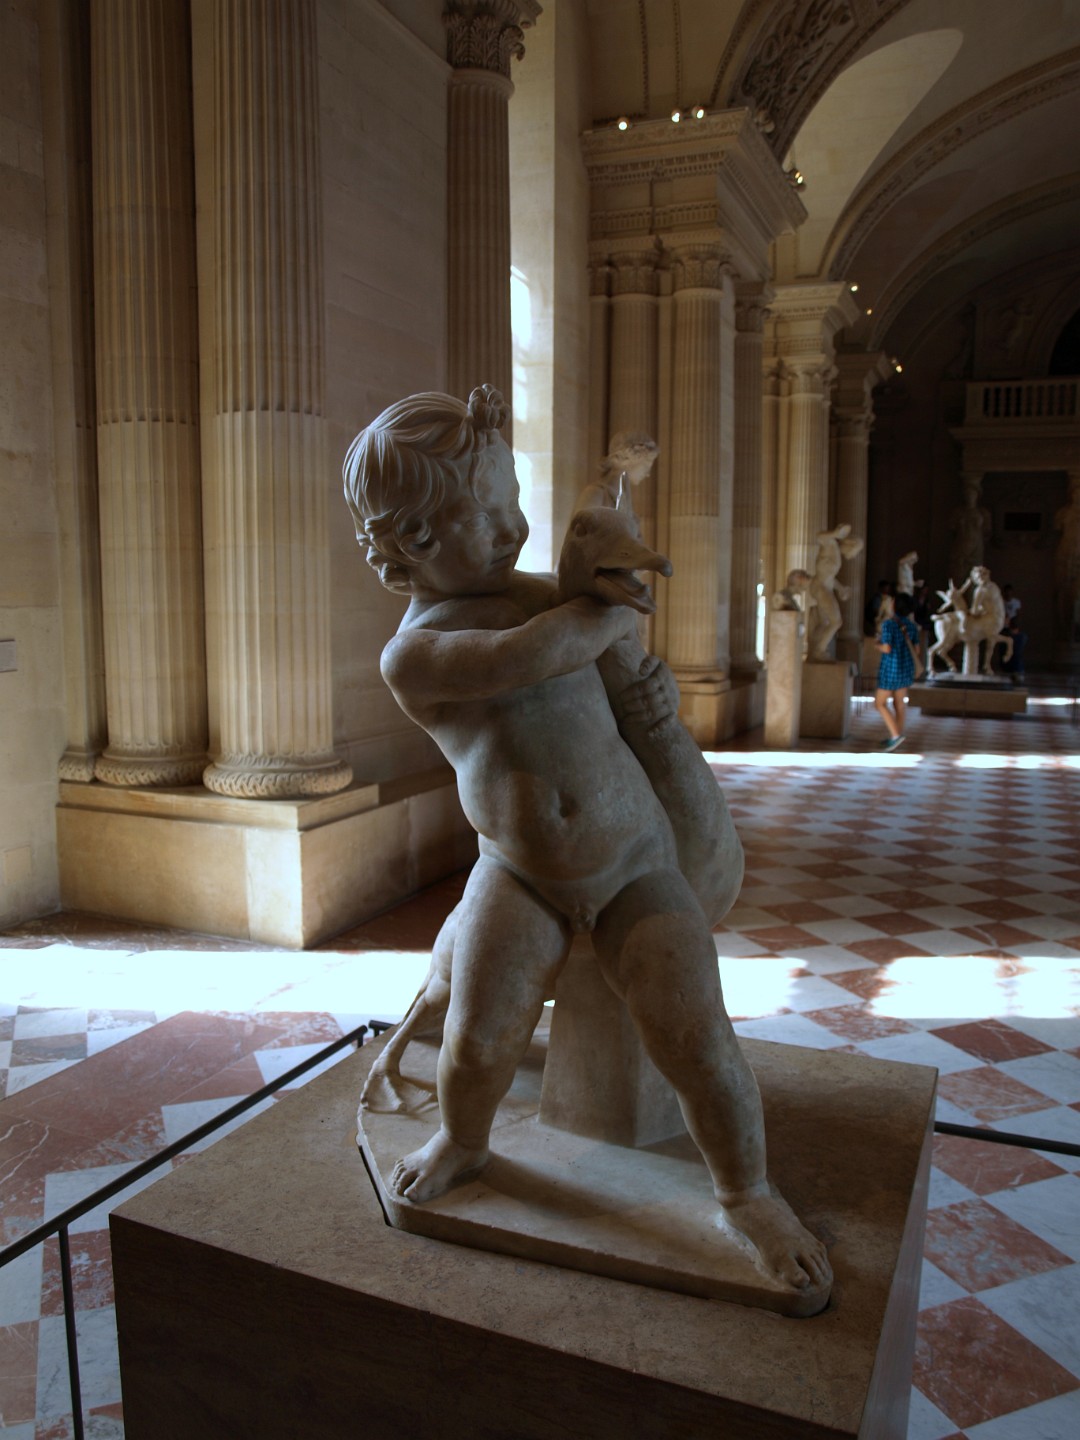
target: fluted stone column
<point>267,483</point>
<point>772,541</point>
<point>807,462</point>
<point>853,419</point>
<point>632,402</point>
<point>147,394</point>
<point>748,496</point>
<point>482,37</point>
<point>699,523</point>
<point>599,346</point>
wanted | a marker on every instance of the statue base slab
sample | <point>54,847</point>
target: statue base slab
<point>294,1309</point>
<point>825,708</point>
<point>975,695</point>
<point>643,1214</point>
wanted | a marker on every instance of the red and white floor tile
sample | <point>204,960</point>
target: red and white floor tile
<point>922,905</point>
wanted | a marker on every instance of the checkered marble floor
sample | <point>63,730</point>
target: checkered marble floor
<point>922,905</point>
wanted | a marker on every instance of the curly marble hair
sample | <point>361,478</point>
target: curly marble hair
<point>400,468</point>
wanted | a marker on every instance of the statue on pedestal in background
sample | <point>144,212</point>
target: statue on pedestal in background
<point>905,573</point>
<point>632,454</point>
<point>597,815</point>
<point>970,625</point>
<point>834,547</point>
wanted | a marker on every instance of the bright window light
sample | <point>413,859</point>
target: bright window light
<point>807,760</point>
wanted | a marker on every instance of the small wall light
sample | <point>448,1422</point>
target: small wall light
<point>699,112</point>
<point>853,287</point>
<point>623,123</point>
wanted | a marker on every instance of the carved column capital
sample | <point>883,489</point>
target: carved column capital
<point>487,34</point>
<point>634,273</point>
<point>812,378</point>
<point>699,267</point>
<point>599,279</point>
<point>750,314</point>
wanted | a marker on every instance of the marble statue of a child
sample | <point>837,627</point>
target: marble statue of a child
<point>513,687</point>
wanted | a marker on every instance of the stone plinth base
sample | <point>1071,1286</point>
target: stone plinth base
<point>714,710</point>
<point>969,696</point>
<point>282,872</point>
<point>260,1292</point>
<point>784,698</point>
<point>825,711</point>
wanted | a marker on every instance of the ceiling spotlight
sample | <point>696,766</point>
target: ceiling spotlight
<point>853,287</point>
<point>623,123</point>
<point>676,116</point>
<point>896,365</point>
<point>699,112</point>
<point>869,310</point>
<point>799,178</point>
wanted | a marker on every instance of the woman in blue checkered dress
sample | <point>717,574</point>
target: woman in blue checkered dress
<point>896,669</point>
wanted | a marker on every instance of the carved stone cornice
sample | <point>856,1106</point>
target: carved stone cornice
<point>782,57</point>
<point>487,34</point>
<point>996,106</point>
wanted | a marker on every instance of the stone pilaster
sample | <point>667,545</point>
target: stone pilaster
<point>771,507</point>
<point>806,464</point>
<point>267,481</point>
<point>748,496</point>
<point>800,344</point>
<point>147,395</point>
<point>853,419</point>
<point>599,345</point>
<point>482,36</point>
<point>632,403</point>
<point>65,78</point>
<point>699,519</point>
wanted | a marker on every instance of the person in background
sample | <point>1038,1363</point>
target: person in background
<point>1012,604</point>
<point>872,608</point>
<point>898,642</point>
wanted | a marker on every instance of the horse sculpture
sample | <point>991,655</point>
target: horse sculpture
<point>970,627</point>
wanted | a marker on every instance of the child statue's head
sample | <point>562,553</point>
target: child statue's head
<point>400,469</point>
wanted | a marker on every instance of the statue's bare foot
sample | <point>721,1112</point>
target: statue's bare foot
<point>435,1168</point>
<point>784,1247</point>
<point>387,1092</point>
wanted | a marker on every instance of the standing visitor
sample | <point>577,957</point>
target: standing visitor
<point>898,642</point>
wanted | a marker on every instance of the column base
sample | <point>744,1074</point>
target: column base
<point>714,710</point>
<point>257,778</point>
<point>140,771</point>
<point>280,872</point>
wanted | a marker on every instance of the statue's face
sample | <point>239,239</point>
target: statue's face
<point>480,530</point>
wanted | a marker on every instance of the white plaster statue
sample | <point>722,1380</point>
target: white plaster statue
<point>905,573</point>
<point>796,593</point>
<point>597,815</point>
<point>958,623</point>
<point>834,547</point>
<point>632,454</point>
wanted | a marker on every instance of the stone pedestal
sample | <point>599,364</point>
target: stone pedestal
<point>293,1309</point>
<point>825,712</point>
<point>283,872</point>
<point>784,696</point>
<point>969,695</point>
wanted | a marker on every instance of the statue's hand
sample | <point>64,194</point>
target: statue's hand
<point>653,700</point>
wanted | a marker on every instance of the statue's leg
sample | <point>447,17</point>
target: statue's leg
<point>509,947</point>
<point>657,953</point>
<point>386,1089</point>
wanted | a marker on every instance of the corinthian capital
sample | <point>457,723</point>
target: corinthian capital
<point>487,34</point>
<point>699,267</point>
<point>634,273</point>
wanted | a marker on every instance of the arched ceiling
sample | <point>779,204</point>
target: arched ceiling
<point>936,138</point>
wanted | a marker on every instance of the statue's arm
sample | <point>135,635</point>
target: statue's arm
<point>431,666</point>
